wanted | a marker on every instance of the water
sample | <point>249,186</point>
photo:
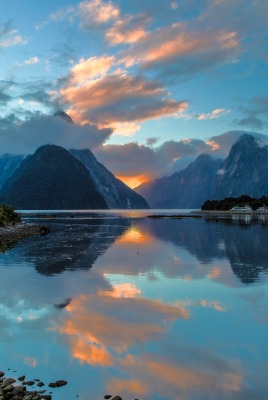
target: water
<point>117,303</point>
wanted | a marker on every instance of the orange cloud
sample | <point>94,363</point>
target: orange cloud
<point>117,98</point>
<point>175,42</point>
<point>129,29</point>
<point>89,69</point>
<point>97,12</point>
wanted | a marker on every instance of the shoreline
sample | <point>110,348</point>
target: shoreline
<point>11,234</point>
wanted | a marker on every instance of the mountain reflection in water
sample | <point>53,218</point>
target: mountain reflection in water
<point>145,308</point>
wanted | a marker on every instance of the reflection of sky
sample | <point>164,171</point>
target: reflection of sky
<point>150,319</point>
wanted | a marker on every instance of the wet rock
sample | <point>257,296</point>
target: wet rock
<point>40,384</point>
<point>117,398</point>
<point>29,383</point>
<point>8,381</point>
<point>60,383</point>
<point>107,396</point>
<point>21,378</point>
<point>7,388</point>
<point>1,374</point>
<point>52,384</point>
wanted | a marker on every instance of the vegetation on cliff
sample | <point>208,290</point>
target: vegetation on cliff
<point>8,216</point>
<point>229,202</point>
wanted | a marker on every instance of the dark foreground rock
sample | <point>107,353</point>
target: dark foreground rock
<point>16,389</point>
<point>12,389</point>
<point>11,234</point>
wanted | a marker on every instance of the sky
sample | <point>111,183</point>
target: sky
<point>149,84</point>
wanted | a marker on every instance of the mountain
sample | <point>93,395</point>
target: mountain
<point>51,179</point>
<point>8,165</point>
<point>64,116</point>
<point>185,189</point>
<point>115,192</point>
<point>245,170</point>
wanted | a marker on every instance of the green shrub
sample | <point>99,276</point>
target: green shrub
<point>8,216</point>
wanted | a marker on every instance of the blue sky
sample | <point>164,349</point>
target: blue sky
<point>147,83</point>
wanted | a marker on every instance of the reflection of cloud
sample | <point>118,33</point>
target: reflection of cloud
<point>30,361</point>
<point>99,322</point>
<point>122,290</point>
<point>134,235</point>
<point>174,379</point>
<point>215,305</point>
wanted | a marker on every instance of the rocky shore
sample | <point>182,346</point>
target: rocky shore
<point>17,389</point>
<point>11,234</point>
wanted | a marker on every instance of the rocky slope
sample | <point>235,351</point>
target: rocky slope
<point>245,170</point>
<point>8,165</point>
<point>186,189</point>
<point>115,192</point>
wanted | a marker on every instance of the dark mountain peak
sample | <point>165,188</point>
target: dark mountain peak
<point>203,157</point>
<point>52,179</point>
<point>64,116</point>
<point>247,139</point>
<point>245,170</point>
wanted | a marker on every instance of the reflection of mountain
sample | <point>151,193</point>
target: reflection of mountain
<point>244,245</point>
<point>72,244</point>
<point>195,235</point>
<point>246,248</point>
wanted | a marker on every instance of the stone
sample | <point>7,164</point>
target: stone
<point>8,381</point>
<point>60,383</point>
<point>117,398</point>
<point>40,384</point>
<point>52,384</point>
<point>29,383</point>
<point>7,388</point>
<point>107,396</point>
<point>1,374</point>
<point>21,378</point>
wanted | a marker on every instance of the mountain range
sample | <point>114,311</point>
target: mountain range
<point>54,178</point>
<point>244,171</point>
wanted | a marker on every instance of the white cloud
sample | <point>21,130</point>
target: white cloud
<point>12,38</point>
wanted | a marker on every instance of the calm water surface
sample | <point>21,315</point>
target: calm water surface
<point>117,303</point>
